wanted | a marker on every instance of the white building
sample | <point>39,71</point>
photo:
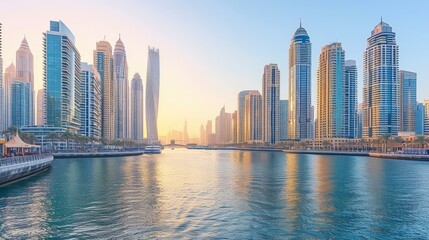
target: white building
<point>121,69</point>
<point>137,108</point>
<point>90,102</point>
<point>152,94</point>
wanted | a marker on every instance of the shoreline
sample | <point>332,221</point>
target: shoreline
<point>96,154</point>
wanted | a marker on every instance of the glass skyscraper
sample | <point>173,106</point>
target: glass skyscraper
<point>350,99</point>
<point>380,83</point>
<point>61,78</point>
<point>420,118</point>
<point>91,102</point>
<point>25,73</point>
<point>283,119</point>
<point>137,108</point>
<point>407,101</point>
<point>241,116</point>
<point>299,126</point>
<point>271,104</point>
<point>152,94</point>
<point>21,93</point>
<point>121,69</point>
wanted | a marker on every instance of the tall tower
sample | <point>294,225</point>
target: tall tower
<point>420,118</point>
<point>25,73</point>
<point>299,126</point>
<point>185,133</point>
<point>240,116</point>
<point>152,94</point>
<point>61,78</point>
<point>284,119</point>
<point>2,89</point>
<point>20,100</point>
<point>103,61</point>
<point>91,102</point>
<point>330,93</point>
<point>121,70</point>
<point>380,80</point>
<point>350,99</point>
<point>407,101</point>
<point>253,117</point>
<point>9,77</point>
<point>271,104</point>
<point>137,108</point>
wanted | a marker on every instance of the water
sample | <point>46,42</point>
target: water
<point>200,194</point>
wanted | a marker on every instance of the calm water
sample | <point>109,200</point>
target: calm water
<point>220,194</point>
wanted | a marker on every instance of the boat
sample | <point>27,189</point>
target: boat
<point>21,160</point>
<point>152,149</point>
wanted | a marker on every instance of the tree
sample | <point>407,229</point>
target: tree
<point>386,139</point>
<point>420,140</point>
<point>67,135</point>
<point>398,142</point>
<point>53,136</point>
<point>326,144</point>
<point>28,137</point>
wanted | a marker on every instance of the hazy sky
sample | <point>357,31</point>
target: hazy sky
<point>210,50</point>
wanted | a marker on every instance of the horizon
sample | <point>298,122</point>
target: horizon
<point>229,52</point>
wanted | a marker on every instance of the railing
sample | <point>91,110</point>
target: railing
<point>22,159</point>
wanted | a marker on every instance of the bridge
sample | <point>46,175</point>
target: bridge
<point>174,144</point>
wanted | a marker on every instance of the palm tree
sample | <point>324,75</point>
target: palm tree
<point>420,140</point>
<point>326,144</point>
<point>398,141</point>
<point>385,138</point>
<point>53,136</point>
<point>28,137</point>
<point>67,135</point>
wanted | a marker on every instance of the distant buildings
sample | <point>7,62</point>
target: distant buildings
<point>137,99</point>
<point>61,78</point>
<point>350,99</point>
<point>271,104</point>
<point>211,137</point>
<point>426,117</point>
<point>407,101</point>
<point>240,115</point>
<point>91,102</point>
<point>9,77</point>
<point>223,127</point>
<point>25,73</point>
<point>121,71</point>
<point>380,80</point>
<point>284,120</point>
<point>104,63</point>
<point>253,117</point>
<point>234,126</point>
<point>299,126</point>
<point>152,94</point>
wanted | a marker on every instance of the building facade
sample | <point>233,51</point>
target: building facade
<point>2,89</point>
<point>359,123</point>
<point>61,78</point>
<point>426,117</point>
<point>253,117</point>
<point>380,80</point>
<point>420,119</point>
<point>240,115</point>
<point>9,77</point>
<point>299,124</point>
<point>350,99</point>
<point>137,108</point>
<point>284,104</point>
<point>121,70</point>
<point>407,101</point>
<point>91,102</point>
<point>104,63</point>
<point>25,73</point>
<point>152,94</point>
<point>21,93</point>
<point>223,127</point>
<point>40,107</point>
<point>271,104</point>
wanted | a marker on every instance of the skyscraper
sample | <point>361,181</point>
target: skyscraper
<point>185,133</point>
<point>137,108</point>
<point>121,70</point>
<point>61,78</point>
<point>253,117</point>
<point>103,61</point>
<point>90,102</point>
<point>223,127</point>
<point>350,99</point>
<point>152,94</point>
<point>284,119</point>
<point>426,117</point>
<point>20,95</point>
<point>271,104</point>
<point>40,107</point>
<point>359,121</point>
<point>407,101</point>
<point>2,90</point>
<point>210,139</point>
<point>234,126</point>
<point>380,80</point>
<point>9,77</point>
<point>25,73</point>
<point>420,121</point>
<point>203,136</point>
<point>331,93</point>
<point>299,126</point>
<point>240,115</point>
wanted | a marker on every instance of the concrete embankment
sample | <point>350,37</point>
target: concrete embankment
<point>95,154</point>
<point>415,157</point>
<point>315,152</point>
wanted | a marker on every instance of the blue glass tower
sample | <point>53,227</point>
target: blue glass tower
<point>21,94</point>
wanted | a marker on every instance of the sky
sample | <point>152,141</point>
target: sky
<point>212,49</point>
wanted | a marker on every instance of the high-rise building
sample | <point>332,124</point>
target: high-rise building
<point>350,99</point>
<point>210,140</point>
<point>61,78</point>
<point>25,73</point>
<point>240,115</point>
<point>420,119</point>
<point>137,108</point>
<point>271,104</point>
<point>253,117</point>
<point>185,133</point>
<point>152,94</point>
<point>299,125</point>
<point>234,126</point>
<point>2,89</point>
<point>40,107</point>
<point>312,123</point>
<point>203,136</point>
<point>331,93</point>
<point>20,95</point>
<point>121,70</point>
<point>284,119</point>
<point>223,127</point>
<point>90,102</point>
<point>426,117</point>
<point>9,77</point>
<point>359,123</point>
<point>104,62</point>
<point>380,80</point>
<point>407,101</point>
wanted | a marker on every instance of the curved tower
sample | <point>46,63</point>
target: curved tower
<point>299,124</point>
<point>121,70</point>
<point>152,94</point>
